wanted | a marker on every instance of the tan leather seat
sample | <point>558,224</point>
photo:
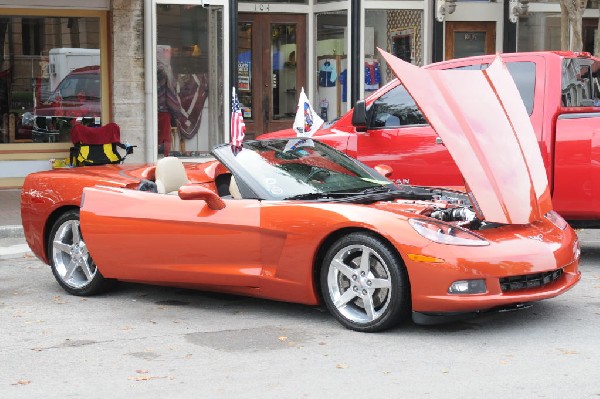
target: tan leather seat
<point>170,175</point>
<point>234,189</point>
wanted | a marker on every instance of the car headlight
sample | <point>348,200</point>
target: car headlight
<point>444,233</point>
<point>556,220</point>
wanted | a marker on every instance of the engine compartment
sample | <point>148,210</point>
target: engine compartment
<point>452,207</point>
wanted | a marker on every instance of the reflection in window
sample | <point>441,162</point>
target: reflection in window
<point>467,44</point>
<point>31,35</point>
<point>523,73</point>
<point>190,78</point>
<point>283,67</point>
<point>245,83</point>
<point>332,65</point>
<point>399,32</point>
<point>590,32</point>
<point>396,108</point>
<point>49,76</point>
<point>580,83</point>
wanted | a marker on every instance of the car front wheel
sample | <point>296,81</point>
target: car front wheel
<point>70,260</point>
<point>364,283</point>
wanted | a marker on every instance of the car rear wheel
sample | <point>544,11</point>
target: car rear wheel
<point>364,283</point>
<point>70,260</point>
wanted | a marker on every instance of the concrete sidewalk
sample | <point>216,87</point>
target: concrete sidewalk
<point>12,242</point>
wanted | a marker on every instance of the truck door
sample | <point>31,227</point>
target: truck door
<point>577,166</point>
<point>399,136</point>
<point>577,141</point>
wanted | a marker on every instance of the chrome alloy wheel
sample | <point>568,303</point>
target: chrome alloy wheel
<point>359,283</point>
<point>72,262</point>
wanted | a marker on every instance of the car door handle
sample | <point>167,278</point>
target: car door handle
<point>438,140</point>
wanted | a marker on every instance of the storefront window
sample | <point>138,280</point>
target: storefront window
<point>539,31</point>
<point>332,65</point>
<point>189,78</point>
<point>396,31</point>
<point>277,1</point>
<point>245,81</point>
<point>49,77</point>
<point>283,66</point>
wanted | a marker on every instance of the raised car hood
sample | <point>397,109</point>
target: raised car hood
<point>483,123</point>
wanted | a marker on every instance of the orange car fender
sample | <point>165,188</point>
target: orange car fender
<point>293,236</point>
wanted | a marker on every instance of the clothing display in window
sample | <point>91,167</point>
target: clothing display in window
<point>331,85</point>
<point>192,90</point>
<point>168,102</point>
<point>327,75</point>
<point>372,75</point>
<point>343,81</point>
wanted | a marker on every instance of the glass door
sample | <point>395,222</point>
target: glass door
<point>271,69</point>
<point>465,39</point>
<point>189,71</point>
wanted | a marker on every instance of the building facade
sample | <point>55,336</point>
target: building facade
<point>163,69</point>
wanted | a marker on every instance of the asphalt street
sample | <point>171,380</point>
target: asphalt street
<point>156,342</point>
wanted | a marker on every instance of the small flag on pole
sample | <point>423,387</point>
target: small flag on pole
<point>238,127</point>
<point>307,121</point>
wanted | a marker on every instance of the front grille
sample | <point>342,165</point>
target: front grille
<point>527,281</point>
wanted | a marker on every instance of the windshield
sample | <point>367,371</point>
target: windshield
<point>297,168</point>
<point>87,85</point>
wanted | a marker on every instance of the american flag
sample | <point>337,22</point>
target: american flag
<point>238,127</point>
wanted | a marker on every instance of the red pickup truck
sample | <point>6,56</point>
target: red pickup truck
<point>561,93</point>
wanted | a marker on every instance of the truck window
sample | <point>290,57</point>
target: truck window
<point>580,83</point>
<point>523,73</point>
<point>396,108</point>
<point>474,67</point>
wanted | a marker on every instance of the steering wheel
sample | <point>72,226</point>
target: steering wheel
<point>318,174</point>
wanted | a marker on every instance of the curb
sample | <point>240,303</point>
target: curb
<point>12,242</point>
<point>15,251</point>
<point>11,231</point>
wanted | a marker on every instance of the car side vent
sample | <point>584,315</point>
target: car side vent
<point>515,283</point>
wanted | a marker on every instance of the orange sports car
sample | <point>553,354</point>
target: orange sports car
<point>295,220</point>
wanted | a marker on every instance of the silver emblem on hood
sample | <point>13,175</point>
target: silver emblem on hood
<point>539,237</point>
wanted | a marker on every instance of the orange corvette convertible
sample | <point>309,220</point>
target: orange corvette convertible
<point>295,220</point>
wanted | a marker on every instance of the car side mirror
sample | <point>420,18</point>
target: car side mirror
<point>384,170</point>
<point>359,116</point>
<point>197,192</point>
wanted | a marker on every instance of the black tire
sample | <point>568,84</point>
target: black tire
<point>69,259</point>
<point>365,296</point>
